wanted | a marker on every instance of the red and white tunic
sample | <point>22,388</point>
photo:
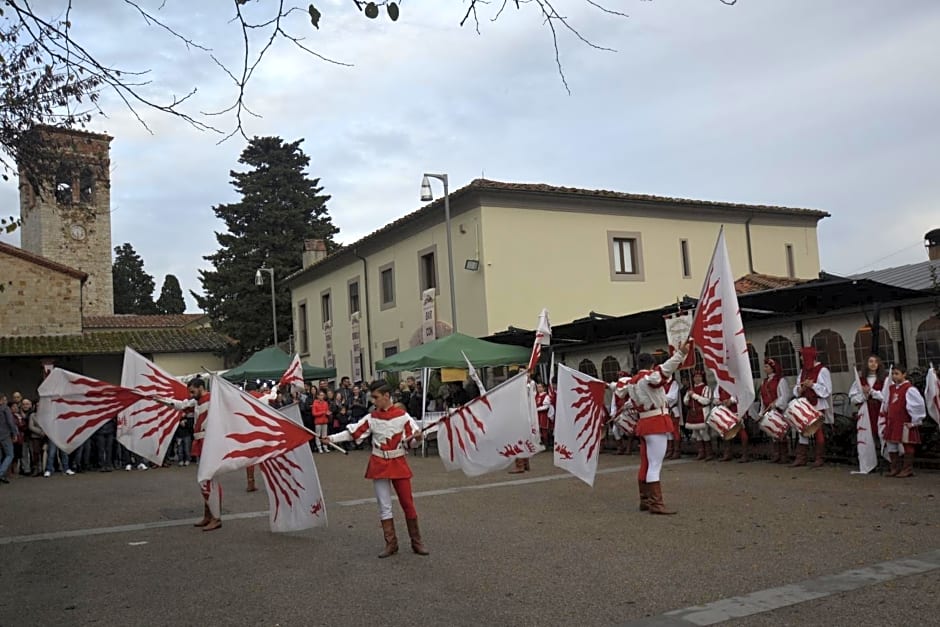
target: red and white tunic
<point>697,399</point>
<point>869,392</point>
<point>774,394</point>
<point>905,406</point>
<point>722,396</point>
<point>391,430</point>
<point>543,404</point>
<point>648,391</point>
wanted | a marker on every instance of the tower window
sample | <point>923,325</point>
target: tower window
<point>86,186</point>
<point>63,186</point>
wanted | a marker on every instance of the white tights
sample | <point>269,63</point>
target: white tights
<point>655,452</point>
<point>383,494</point>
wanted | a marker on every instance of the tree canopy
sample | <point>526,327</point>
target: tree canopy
<point>171,297</point>
<point>280,207</point>
<point>133,287</point>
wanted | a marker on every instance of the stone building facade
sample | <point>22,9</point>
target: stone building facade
<point>25,310</point>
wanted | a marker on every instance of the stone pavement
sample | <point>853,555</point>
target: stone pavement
<point>536,549</point>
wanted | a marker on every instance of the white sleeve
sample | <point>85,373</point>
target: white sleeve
<point>915,406</point>
<point>655,377</point>
<point>672,394</point>
<point>704,399</point>
<point>855,393</point>
<point>783,394</point>
<point>671,364</point>
<point>183,405</point>
<point>823,385</point>
<point>354,431</point>
<point>877,394</point>
<point>799,379</point>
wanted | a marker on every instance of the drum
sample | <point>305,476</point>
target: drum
<point>803,417</point>
<point>627,420</point>
<point>725,422</point>
<point>774,424</point>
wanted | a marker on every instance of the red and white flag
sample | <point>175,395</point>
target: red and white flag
<point>295,498</point>
<point>932,394</point>
<point>491,431</point>
<point>147,426</point>
<point>865,439</point>
<point>543,337</point>
<point>294,375</point>
<point>579,423</point>
<point>73,406</point>
<point>719,333</point>
<point>242,431</point>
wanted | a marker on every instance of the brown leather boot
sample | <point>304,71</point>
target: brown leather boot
<point>800,459</point>
<point>701,450</point>
<point>621,447</point>
<point>784,452</point>
<point>250,473</point>
<point>213,524</point>
<point>908,469</point>
<point>729,455</point>
<point>774,452</point>
<point>518,467</point>
<point>820,461</point>
<point>630,445</point>
<point>709,451</point>
<point>415,534</point>
<point>895,465</point>
<point>644,496</point>
<point>656,499</point>
<point>391,540</point>
<point>206,517</point>
<point>745,454</point>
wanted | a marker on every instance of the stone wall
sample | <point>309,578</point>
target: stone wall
<point>38,301</point>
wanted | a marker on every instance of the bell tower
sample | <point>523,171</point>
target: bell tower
<point>67,217</point>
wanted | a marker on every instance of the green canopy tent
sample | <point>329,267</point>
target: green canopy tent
<point>270,363</point>
<point>448,352</point>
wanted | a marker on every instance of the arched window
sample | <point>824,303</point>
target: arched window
<point>927,342</point>
<point>863,345</point>
<point>831,350</point>
<point>63,186</point>
<point>587,367</point>
<point>609,368</point>
<point>86,186</point>
<point>754,358</point>
<point>780,349</point>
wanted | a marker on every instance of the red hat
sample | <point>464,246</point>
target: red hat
<point>808,353</point>
<point>778,369</point>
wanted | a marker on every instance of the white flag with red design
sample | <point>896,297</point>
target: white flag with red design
<point>491,431</point>
<point>865,439</point>
<point>242,431</point>
<point>295,498</point>
<point>73,406</point>
<point>579,423</point>
<point>294,375</point>
<point>932,394</point>
<point>719,333</point>
<point>543,337</point>
<point>147,426</point>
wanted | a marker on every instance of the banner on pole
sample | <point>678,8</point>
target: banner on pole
<point>678,327</point>
<point>428,317</point>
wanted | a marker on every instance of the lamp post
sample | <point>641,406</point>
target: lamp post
<point>259,280</point>
<point>427,196</point>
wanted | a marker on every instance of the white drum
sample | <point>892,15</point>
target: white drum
<point>803,417</point>
<point>725,422</point>
<point>774,424</point>
<point>627,420</point>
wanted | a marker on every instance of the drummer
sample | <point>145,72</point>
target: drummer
<point>905,413</point>
<point>775,394</point>
<point>723,398</point>
<point>697,398</point>
<point>619,406</point>
<point>814,383</point>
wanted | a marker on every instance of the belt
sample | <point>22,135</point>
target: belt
<point>388,454</point>
<point>653,413</point>
<point>199,435</point>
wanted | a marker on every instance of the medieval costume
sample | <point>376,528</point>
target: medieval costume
<point>775,394</point>
<point>722,397</point>
<point>904,413</point>
<point>814,383</point>
<point>674,448</point>
<point>697,399</point>
<point>868,389</point>
<point>620,407</point>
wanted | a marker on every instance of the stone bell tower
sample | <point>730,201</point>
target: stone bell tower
<point>69,219</point>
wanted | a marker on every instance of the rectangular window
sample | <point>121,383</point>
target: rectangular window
<point>389,349</point>
<point>791,266</point>
<point>353,297</point>
<point>624,255</point>
<point>302,328</point>
<point>326,308</point>
<point>428,272</point>
<point>686,262</point>
<point>387,285</point>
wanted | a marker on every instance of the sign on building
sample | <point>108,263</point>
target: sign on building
<point>356,348</point>
<point>429,318</point>
<point>328,360</point>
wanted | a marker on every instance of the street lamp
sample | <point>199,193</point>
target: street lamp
<point>259,280</point>
<point>427,196</point>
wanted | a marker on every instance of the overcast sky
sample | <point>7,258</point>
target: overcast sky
<point>823,104</point>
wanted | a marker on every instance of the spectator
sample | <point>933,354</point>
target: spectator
<point>80,458</point>
<point>321,420</point>
<point>30,462</point>
<point>359,403</point>
<point>36,441</point>
<point>20,459</point>
<point>414,401</point>
<point>184,439</point>
<point>104,442</point>
<point>345,392</point>
<point>52,454</point>
<point>129,460</point>
<point>8,430</point>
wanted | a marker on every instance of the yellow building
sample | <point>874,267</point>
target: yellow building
<point>520,247</point>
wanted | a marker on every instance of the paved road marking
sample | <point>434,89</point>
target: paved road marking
<point>785,596</point>
<point>163,524</point>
